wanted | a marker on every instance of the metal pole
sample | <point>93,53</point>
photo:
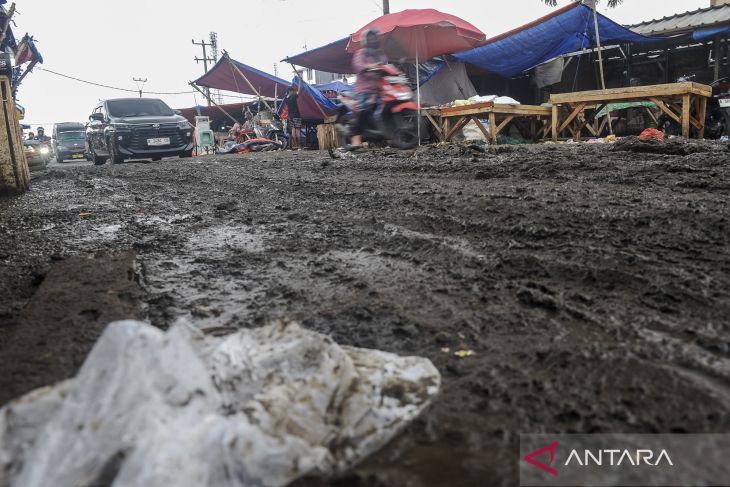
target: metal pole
<point>210,100</point>
<point>205,60</point>
<point>600,61</point>
<point>140,87</point>
<point>258,93</point>
<point>418,96</point>
<point>386,7</point>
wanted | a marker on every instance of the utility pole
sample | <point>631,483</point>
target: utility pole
<point>205,60</point>
<point>140,84</point>
<point>214,55</point>
<point>386,7</point>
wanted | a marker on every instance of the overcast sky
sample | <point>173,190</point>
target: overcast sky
<point>111,42</point>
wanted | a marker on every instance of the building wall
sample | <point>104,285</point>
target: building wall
<point>715,3</point>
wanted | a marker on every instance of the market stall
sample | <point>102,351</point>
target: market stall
<point>685,103</point>
<point>449,121</point>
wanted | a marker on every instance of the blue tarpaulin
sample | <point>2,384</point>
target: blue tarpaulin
<point>701,35</point>
<point>567,30</point>
<point>312,103</point>
<point>337,86</point>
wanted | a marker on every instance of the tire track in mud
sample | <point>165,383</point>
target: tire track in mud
<point>590,283</point>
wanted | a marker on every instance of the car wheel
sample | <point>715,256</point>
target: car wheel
<point>113,154</point>
<point>187,154</point>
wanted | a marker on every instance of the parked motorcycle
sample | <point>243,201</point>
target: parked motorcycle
<point>396,115</point>
<point>717,120</point>
<point>274,130</point>
<point>266,125</point>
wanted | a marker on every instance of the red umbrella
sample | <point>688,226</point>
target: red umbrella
<point>421,34</point>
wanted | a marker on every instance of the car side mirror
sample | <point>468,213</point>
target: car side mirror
<point>177,112</point>
<point>98,117</point>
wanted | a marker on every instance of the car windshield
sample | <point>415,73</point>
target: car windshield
<point>138,108</point>
<point>72,136</point>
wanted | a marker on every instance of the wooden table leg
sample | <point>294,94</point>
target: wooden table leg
<point>555,123</point>
<point>702,115</point>
<point>686,107</point>
<point>492,128</point>
<point>576,111</point>
<point>481,127</point>
<point>533,128</point>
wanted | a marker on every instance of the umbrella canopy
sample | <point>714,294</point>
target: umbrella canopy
<point>422,34</point>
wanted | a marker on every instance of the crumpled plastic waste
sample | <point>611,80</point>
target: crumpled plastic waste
<point>652,134</point>
<point>258,407</point>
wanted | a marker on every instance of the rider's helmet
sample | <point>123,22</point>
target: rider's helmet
<point>370,39</point>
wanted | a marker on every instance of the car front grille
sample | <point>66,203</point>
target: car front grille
<point>138,139</point>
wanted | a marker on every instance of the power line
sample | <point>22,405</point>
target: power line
<point>127,90</point>
<point>101,85</point>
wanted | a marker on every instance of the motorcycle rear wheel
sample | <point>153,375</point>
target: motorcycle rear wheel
<point>405,135</point>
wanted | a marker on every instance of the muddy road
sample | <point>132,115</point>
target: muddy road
<point>592,284</point>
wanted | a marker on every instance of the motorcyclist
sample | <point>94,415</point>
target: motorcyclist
<point>367,87</point>
<point>41,136</point>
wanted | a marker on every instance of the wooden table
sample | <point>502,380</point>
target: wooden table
<point>448,121</point>
<point>685,103</point>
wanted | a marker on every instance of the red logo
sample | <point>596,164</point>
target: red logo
<point>551,449</point>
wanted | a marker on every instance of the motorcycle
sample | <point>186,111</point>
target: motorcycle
<point>266,125</point>
<point>395,118</point>
<point>274,130</point>
<point>717,120</point>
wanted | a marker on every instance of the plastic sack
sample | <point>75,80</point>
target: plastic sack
<point>257,408</point>
<point>652,134</point>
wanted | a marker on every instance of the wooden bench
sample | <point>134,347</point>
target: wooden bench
<point>685,103</point>
<point>449,121</point>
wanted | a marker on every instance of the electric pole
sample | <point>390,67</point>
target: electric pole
<point>214,55</point>
<point>140,84</point>
<point>205,60</point>
<point>386,7</point>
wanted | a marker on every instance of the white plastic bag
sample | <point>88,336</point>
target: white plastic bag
<point>259,407</point>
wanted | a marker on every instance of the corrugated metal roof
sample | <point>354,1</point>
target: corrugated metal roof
<point>688,21</point>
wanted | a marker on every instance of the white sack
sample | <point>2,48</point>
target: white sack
<point>259,407</point>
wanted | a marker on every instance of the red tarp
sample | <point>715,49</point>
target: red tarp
<point>230,75</point>
<point>225,76</point>
<point>215,114</point>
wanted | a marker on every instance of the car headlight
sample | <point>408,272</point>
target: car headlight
<point>44,150</point>
<point>183,125</point>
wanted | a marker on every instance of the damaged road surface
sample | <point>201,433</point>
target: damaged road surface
<point>556,288</point>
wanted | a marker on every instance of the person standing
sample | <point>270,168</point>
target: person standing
<point>294,116</point>
<point>367,87</point>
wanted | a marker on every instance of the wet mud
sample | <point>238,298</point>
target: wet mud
<point>590,285</point>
